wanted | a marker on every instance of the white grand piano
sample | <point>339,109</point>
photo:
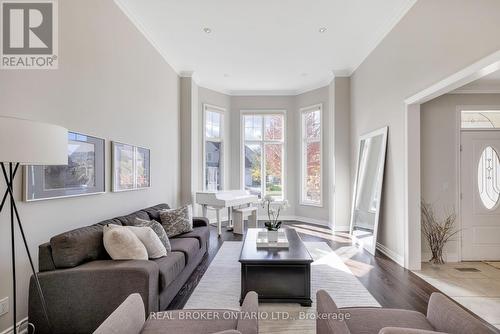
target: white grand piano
<point>219,200</point>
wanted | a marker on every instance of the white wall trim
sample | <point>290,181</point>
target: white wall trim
<point>301,219</point>
<point>475,91</point>
<point>412,233</point>
<point>271,92</point>
<point>10,330</point>
<point>398,258</point>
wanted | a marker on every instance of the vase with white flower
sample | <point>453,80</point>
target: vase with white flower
<point>274,209</point>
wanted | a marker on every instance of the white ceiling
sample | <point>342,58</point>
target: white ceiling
<point>487,84</point>
<point>265,46</point>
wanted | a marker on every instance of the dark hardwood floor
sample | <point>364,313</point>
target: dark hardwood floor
<point>392,285</point>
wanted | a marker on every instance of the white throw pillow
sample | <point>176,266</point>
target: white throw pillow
<point>151,241</point>
<point>122,244</point>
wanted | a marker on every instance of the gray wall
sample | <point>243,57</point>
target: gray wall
<point>111,83</point>
<point>439,154</point>
<point>430,43</point>
<point>340,185</point>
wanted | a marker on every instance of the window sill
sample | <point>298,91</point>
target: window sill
<point>313,204</point>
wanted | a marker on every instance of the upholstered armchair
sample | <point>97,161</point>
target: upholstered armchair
<point>129,318</point>
<point>443,316</point>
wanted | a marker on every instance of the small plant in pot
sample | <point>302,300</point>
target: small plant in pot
<point>437,231</point>
<point>273,213</point>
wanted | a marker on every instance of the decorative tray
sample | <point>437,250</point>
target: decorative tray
<point>263,242</point>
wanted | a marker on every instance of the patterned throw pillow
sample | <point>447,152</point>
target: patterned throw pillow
<point>157,228</point>
<point>177,221</point>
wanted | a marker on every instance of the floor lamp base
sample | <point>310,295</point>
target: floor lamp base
<point>14,216</point>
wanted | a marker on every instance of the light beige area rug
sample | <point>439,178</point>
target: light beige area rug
<point>220,288</point>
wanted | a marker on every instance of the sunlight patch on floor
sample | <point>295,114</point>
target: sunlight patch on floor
<point>327,236</point>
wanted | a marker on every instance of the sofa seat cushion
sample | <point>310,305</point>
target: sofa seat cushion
<point>189,246</point>
<point>170,267</point>
<point>200,233</point>
<point>372,320</point>
<point>175,322</point>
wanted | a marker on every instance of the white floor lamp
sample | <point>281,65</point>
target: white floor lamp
<point>24,142</point>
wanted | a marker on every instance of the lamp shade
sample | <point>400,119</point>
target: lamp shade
<point>32,143</point>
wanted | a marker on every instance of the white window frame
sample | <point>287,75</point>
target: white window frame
<point>266,112</point>
<point>220,139</point>
<point>303,151</point>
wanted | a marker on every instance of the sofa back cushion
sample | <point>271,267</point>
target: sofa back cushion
<point>78,246</point>
<point>154,211</point>
<point>129,220</point>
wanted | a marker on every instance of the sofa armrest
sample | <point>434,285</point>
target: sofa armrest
<point>200,221</point>
<point>326,324</point>
<point>249,321</point>
<point>128,318</point>
<point>79,299</point>
<point>399,330</point>
<point>447,316</point>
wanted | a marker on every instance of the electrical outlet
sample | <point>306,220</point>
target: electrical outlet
<point>4,306</point>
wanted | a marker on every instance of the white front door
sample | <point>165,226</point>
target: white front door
<point>480,186</point>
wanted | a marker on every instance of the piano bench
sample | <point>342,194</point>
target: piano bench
<point>239,216</point>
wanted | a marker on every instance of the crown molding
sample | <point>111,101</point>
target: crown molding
<point>390,24</point>
<point>475,91</point>
<point>140,27</point>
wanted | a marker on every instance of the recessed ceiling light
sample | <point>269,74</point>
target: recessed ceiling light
<point>304,74</point>
<point>207,30</point>
<point>322,30</point>
<point>226,75</point>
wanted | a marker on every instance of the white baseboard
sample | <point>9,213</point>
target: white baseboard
<point>213,221</point>
<point>399,259</point>
<point>24,330</point>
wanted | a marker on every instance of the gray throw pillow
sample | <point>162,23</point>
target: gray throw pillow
<point>157,228</point>
<point>177,221</point>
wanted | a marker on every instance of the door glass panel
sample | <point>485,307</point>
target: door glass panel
<point>488,181</point>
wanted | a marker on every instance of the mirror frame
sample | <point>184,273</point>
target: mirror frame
<point>380,180</point>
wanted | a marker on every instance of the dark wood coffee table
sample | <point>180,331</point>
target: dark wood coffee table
<point>277,275</point>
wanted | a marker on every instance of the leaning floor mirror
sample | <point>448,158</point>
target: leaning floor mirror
<point>368,189</point>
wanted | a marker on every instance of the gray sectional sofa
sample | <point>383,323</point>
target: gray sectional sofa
<point>83,286</point>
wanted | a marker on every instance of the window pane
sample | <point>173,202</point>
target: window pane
<point>312,124</point>
<point>253,127</point>
<point>213,124</point>
<point>273,127</point>
<point>213,166</point>
<point>274,156</point>
<point>313,172</point>
<point>480,119</point>
<point>253,175</point>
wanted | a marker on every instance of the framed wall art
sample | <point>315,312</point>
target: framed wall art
<point>84,174</point>
<point>131,167</point>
